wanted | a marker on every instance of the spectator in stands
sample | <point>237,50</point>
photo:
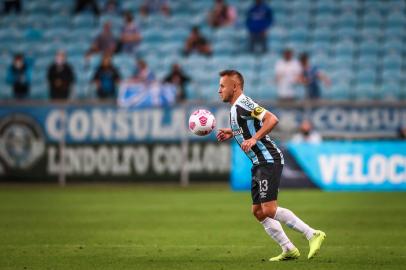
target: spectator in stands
<point>221,14</point>
<point>81,5</point>
<point>106,78</point>
<point>19,76</point>
<point>197,42</point>
<point>311,77</point>
<point>12,5</point>
<point>306,134</point>
<point>60,77</point>
<point>111,7</point>
<point>178,77</point>
<point>402,133</point>
<point>152,6</point>
<point>130,35</point>
<point>259,19</point>
<point>287,71</point>
<point>104,42</point>
<point>142,73</point>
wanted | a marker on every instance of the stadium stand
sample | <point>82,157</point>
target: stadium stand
<point>360,44</point>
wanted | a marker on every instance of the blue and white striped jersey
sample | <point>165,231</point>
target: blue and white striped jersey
<point>245,120</point>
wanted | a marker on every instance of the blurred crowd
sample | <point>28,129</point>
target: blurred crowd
<point>290,71</point>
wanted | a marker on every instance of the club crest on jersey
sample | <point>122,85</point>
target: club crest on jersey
<point>257,111</point>
<point>238,132</point>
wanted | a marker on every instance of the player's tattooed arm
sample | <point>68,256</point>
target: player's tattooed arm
<point>268,123</point>
<point>224,134</point>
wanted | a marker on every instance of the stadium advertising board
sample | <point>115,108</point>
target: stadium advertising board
<point>292,175</point>
<point>117,143</point>
<point>369,165</point>
<point>107,143</point>
<point>347,120</point>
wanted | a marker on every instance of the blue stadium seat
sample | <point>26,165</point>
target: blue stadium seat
<point>326,6</point>
<point>300,18</point>
<point>83,21</point>
<point>338,91</point>
<point>342,63</point>
<point>324,20</point>
<point>36,20</point>
<point>369,47</point>
<point>394,33</point>
<point>350,5</point>
<point>367,61</point>
<point>392,62</point>
<point>393,47</point>
<point>278,33</point>
<point>56,33</point>
<point>298,34</point>
<point>322,60</point>
<point>344,47</point>
<point>382,7</point>
<point>372,19</point>
<point>320,46</point>
<point>347,33</point>
<point>279,5</point>
<point>282,18</point>
<point>130,5</point>
<point>78,49</point>
<point>223,47</point>
<point>37,7</point>
<point>347,19</point>
<point>297,6</point>
<point>391,75</point>
<point>275,45</point>
<point>321,34</point>
<point>61,7</point>
<point>396,19</point>
<point>178,33</point>
<point>364,91</point>
<point>371,33</point>
<point>343,74</point>
<point>366,76</point>
<point>391,89</point>
<point>59,21</point>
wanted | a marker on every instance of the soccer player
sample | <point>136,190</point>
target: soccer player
<point>250,125</point>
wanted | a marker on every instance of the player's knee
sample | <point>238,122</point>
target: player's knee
<point>258,214</point>
<point>269,211</point>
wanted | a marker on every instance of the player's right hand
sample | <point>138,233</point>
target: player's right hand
<point>224,134</point>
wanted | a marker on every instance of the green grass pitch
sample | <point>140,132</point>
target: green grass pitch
<point>205,227</point>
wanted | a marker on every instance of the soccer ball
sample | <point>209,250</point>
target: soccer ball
<point>202,122</point>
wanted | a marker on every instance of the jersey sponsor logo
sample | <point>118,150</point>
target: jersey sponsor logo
<point>257,111</point>
<point>238,132</point>
<point>248,102</point>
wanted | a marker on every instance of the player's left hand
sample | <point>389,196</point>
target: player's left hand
<point>246,145</point>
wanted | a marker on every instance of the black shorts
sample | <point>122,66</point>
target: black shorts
<point>265,182</point>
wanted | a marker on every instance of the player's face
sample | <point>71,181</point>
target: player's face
<point>227,88</point>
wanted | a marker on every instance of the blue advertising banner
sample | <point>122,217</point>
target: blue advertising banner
<point>240,171</point>
<point>369,165</point>
<point>103,142</point>
<point>137,95</point>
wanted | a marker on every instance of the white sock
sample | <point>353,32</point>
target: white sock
<point>292,221</point>
<point>275,231</point>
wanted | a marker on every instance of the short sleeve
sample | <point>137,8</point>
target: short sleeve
<point>251,110</point>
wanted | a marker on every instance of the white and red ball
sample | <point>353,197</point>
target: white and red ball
<point>202,122</point>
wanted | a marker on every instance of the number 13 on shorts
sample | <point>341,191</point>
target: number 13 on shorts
<point>263,185</point>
